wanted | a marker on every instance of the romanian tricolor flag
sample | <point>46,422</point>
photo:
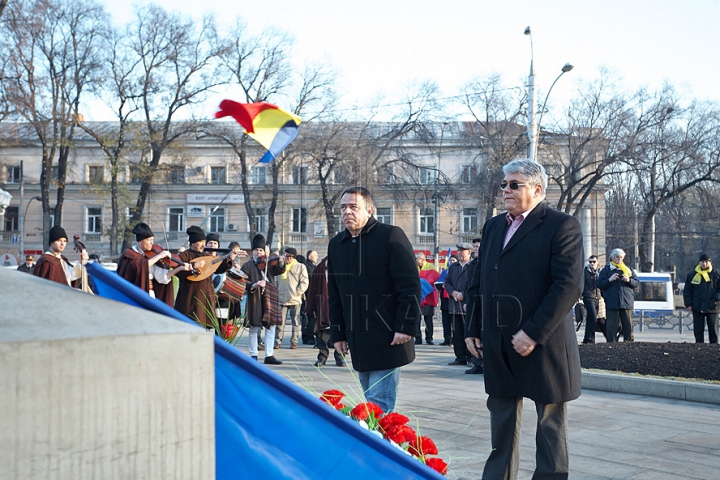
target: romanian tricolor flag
<point>268,125</point>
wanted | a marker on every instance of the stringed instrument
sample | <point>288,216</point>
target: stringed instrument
<point>80,248</point>
<point>210,266</point>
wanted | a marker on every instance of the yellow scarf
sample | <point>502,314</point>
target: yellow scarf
<point>622,267</point>
<point>288,263</point>
<point>700,273</point>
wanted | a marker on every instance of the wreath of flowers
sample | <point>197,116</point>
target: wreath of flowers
<point>392,426</point>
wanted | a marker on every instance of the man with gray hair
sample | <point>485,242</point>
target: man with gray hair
<point>528,277</point>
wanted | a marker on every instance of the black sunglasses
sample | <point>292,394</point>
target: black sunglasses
<point>592,261</point>
<point>513,185</point>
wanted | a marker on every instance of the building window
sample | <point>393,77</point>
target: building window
<point>136,174</point>
<point>427,220</point>
<point>470,220</point>
<point>217,220</point>
<point>300,175</point>
<point>11,219</point>
<point>177,219</point>
<point>95,174</point>
<point>13,174</point>
<point>261,220</point>
<point>386,175</point>
<point>339,225</point>
<point>94,220</point>
<point>258,175</point>
<point>299,220</point>
<point>218,175</point>
<point>427,175</point>
<point>469,173</point>
<point>176,175</point>
<point>384,215</point>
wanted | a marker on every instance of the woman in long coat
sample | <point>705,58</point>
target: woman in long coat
<point>254,295</point>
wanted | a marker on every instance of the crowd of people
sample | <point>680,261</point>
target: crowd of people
<point>505,303</point>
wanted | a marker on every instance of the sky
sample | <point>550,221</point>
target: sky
<point>382,46</point>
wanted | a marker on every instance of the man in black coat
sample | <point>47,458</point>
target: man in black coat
<point>529,276</point>
<point>374,297</point>
<point>591,298</point>
<point>702,297</point>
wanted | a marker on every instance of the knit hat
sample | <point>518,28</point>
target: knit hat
<point>291,251</point>
<point>704,257</point>
<point>195,233</point>
<point>213,237</point>
<point>258,241</point>
<point>142,231</point>
<point>56,233</point>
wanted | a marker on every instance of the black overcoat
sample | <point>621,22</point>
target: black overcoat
<point>531,284</point>
<point>373,292</point>
<point>704,297</point>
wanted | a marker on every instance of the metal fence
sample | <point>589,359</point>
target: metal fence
<point>679,319</point>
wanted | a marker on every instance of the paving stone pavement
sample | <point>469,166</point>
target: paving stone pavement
<point>611,435</point>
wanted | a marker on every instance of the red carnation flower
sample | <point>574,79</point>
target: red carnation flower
<point>339,406</point>
<point>392,419</point>
<point>332,397</point>
<point>437,464</point>
<point>422,446</point>
<point>363,410</point>
<point>400,434</point>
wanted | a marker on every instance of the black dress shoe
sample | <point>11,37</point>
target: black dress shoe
<point>445,344</point>
<point>429,342</point>
<point>319,364</point>
<point>271,360</point>
<point>418,342</point>
<point>458,362</point>
<point>476,369</point>
<point>339,363</point>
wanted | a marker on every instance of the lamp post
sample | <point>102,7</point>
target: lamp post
<point>22,225</point>
<point>533,122</point>
<point>5,198</point>
<point>436,201</point>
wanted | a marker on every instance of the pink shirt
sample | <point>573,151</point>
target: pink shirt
<point>513,225</point>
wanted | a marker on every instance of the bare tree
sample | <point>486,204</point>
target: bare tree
<point>177,63</point>
<point>50,55</point>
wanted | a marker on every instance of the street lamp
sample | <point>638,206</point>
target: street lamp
<point>436,200</point>
<point>22,225</point>
<point>533,123</point>
<point>5,198</point>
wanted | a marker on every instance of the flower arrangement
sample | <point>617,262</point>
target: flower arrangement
<point>392,426</point>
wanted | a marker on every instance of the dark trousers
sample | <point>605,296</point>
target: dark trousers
<point>324,349</point>
<point>459,347</point>
<point>699,321</point>
<point>591,308</point>
<point>308,327</point>
<point>551,454</point>
<point>427,313</point>
<point>613,320</point>
<point>447,326</point>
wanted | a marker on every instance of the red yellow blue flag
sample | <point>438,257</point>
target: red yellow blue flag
<point>270,126</point>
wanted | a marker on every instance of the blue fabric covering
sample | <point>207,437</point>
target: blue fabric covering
<point>267,427</point>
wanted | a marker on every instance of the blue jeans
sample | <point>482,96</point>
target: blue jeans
<point>380,387</point>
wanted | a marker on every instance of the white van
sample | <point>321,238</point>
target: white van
<point>655,294</point>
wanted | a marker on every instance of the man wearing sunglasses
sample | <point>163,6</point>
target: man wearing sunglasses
<point>591,298</point>
<point>529,276</point>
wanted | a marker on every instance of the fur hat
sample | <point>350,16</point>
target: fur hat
<point>213,237</point>
<point>56,233</point>
<point>142,231</point>
<point>258,241</point>
<point>195,233</point>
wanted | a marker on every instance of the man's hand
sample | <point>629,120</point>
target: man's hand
<point>523,344</point>
<point>474,345</point>
<point>401,338</point>
<point>457,296</point>
<point>341,347</point>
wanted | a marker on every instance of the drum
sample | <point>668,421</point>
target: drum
<point>233,285</point>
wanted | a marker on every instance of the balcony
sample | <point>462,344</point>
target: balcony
<point>425,239</point>
<point>298,238</point>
